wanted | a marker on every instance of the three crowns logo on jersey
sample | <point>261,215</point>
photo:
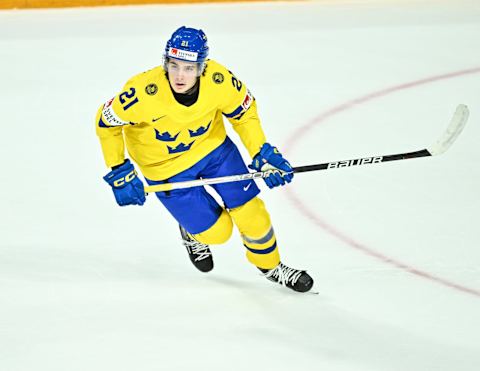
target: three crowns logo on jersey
<point>165,136</point>
<point>181,147</point>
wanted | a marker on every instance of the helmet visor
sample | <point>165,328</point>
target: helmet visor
<point>181,67</point>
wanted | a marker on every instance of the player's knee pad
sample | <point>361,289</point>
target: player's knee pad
<point>252,218</point>
<point>253,222</point>
<point>218,233</point>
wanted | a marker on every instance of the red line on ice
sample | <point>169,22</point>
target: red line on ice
<point>302,131</point>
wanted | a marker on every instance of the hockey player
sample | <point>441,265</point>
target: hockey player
<point>171,120</point>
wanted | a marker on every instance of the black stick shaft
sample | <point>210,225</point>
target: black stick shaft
<point>362,161</point>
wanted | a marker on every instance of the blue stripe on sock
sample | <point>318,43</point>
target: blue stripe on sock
<point>264,251</point>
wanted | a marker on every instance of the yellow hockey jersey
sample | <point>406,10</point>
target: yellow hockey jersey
<point>165,137</point>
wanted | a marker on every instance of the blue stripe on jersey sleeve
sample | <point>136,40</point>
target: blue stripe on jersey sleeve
<point>102,124</point>
<point>234,113</point>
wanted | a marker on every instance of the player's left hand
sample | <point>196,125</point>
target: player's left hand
<point>269,158</point>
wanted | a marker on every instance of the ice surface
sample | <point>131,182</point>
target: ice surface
<point>86,285</point>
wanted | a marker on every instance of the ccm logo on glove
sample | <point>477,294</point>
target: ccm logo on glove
<point>127,188</point>
<point>127,179</point>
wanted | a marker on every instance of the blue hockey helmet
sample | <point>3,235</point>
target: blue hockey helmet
<point>187,44</point>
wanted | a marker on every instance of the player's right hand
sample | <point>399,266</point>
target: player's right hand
<point>127,187</point>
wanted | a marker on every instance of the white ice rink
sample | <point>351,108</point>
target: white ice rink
<point>394,249</point>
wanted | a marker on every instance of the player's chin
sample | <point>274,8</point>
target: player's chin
<point>180,88</point>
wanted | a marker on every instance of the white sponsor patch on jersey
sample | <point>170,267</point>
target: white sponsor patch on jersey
<point>247,101</point>
<point>183,54</point>
<point>110,116</point>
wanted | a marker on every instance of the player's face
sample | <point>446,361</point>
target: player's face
<point>182,75</point>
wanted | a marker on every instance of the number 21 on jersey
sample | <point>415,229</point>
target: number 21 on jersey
<point>126,98</point>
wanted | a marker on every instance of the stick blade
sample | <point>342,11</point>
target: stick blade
<point>455,127</point>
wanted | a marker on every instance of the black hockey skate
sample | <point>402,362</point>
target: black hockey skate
<point>199,253</point>
<point>294,279</point>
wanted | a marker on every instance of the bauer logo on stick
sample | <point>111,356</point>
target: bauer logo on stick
<point>358,161</point>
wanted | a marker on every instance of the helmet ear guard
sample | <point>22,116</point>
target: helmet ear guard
<point>201,68</point>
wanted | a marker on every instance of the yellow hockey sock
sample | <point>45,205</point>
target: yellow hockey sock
<point>253,222</point>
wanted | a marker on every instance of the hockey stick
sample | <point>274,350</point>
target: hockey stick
<point>455,127</point>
